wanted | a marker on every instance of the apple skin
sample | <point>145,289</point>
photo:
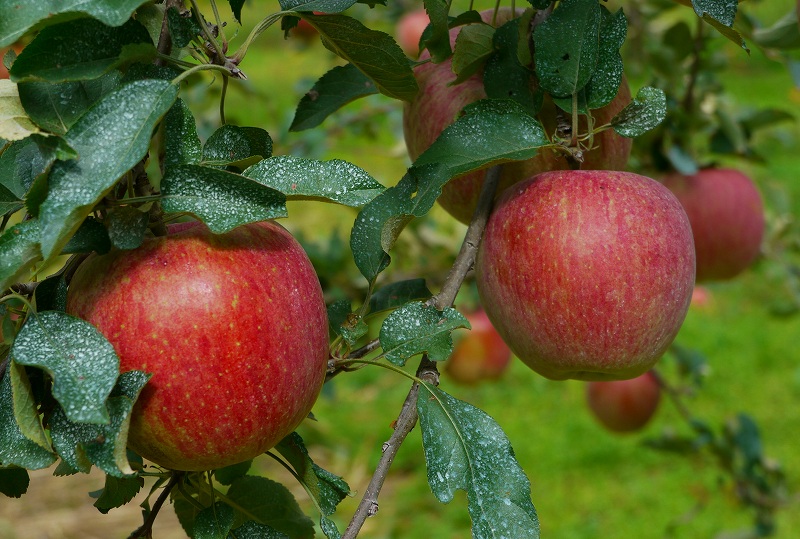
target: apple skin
<point>437,105</point>
<point>233,328</point>
<point>480,354</point>
<point>409,29</point>
<point>587,274</point>
<point>727,217</point>
<point>624,405</point>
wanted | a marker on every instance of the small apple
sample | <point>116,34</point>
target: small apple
<point>233,328</point>
<point>624,405</point>
<point>587,274</point>
<point>702,298</point>
<point>409,30</point>
<point>438,104</point>
<point>480,354</point>
<point>727,217</point>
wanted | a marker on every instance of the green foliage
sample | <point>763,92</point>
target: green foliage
<point>335,89</point>
<point>417,328</point>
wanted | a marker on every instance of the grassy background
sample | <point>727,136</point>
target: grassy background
<point>586,482</point>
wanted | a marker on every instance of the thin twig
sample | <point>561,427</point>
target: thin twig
<point>427,369</point>
<point>146,529</point>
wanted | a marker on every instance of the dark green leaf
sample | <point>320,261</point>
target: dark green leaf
<point>25,407</point>
<point>16,22</point>
<point>187,510</point>
<point>436,37</point>
<point>645,112</point>
<point>56,106</point>
<point>51,294</point>
<point>335,89</point>
<point>14,482</point>
<point>504,77</point>
<point>9,202</point>
<point>82,363</point>
<point>466,449</point>
<point>540,4</point>
<point>182,29</point>
<point>236,146</point>
<point>338,312</point>
<point>24,160</point>
<point>272,504</point>
<point>765,118</point>
<point>126,227</point>
<point>723,11</point>
<point>748,440</point>
<point>417,328</point>
<point>253,530</point>
<point>727,31</point>
<point>90,236</point>
<point>473,47</point>
<point>182,145</point>
<point>334,180</point>
<point>602,88</point>
<point>15,448</point>
<point>214,522</point>
<point>783,35</point>
<point>117,492</point>
<point>567,47</point>
<point>14,121</point>
<point>223,200</point>
<point>81,49</point>
<point>375,53</point>
<point>19,250</point>
<point>236,8</point>
<point>110,138</point>
<point>397,294</point>
<point>229,474</point>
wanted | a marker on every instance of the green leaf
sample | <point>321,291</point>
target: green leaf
<point>80,360</point>
<point>15,448</point>
<point>214,522</point>
<point>436,37</point>
<point>723,11</point>
<point>396,294</point>
<point>116,492</point>
<point>504,77</point>
<point>375,53</point>
<point>9,202</point>
<point>181,144</point>
<point>727,32</point>
<point>81,49</point>
<point>466,449</point>
<point>236,146</point>
<point>567,47</point>
<point>323,6</point>
<point>335,89</point>
<point>229,474</point>
<point>16,22</point>
<point>473,47</point>
<point>782,35</point>
<point>338,313</point>
<point>602,88</point>
<point>253,530</point>
<point>223,200</point>
<point>24,160</point>
<point>645,112</point>
<point>51,294</point>
<point>272,504</point>
<point>182,30</point>
<point>90,236</point>
<point>19,250</point>
<point>14,121</point>
<point>110,138</point>
<point>334,180</point>
<point>25,407</point>
<point>417,328</point>
<point>14,482</point>
<point>55,107</point>
<point>236,8</point>
<point>126,227</point>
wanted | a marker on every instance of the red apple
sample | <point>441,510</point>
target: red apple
<point>233,328</point>
<point>727,217</point>
<point>624,405</point>
<point>438,104</point>
<point>587,274</point>
<point>408,30</point>
<point>479,355</point>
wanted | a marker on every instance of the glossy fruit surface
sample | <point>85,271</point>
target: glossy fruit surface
<point>480,354</point>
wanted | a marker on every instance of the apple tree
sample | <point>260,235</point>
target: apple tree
<point>160,325</point>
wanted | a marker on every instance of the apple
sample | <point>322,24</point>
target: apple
<point>438,104</point>
<point>587,274</point>
<point>409,30</point>
<point>624,405</point>
<point>233,328</point>
<point>727,217</point>
<point>17,47</point>
<point>479,355</point>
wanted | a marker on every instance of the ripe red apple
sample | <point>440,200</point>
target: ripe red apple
<point>624,405</point>
<point>587,274</point>
<point>727,217</point>
<point>438,104</point>
<point>408,30</point>
<point>233,328</point>
<point>480,354</point>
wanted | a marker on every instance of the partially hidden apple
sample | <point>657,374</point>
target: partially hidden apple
<point>480,354</point>
<point>624,405</point>
<point>727,217</point>
<point>438,104</point>
<point>587,274</point>
<point>233,328</point>
<point>409,29</point>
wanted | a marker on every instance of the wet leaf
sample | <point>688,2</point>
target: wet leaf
<point>90,236</point>
<point>417,328</point>
<point>214,522</point>
<point>229,474</point>
<point>26,411</point>
<point>116,492</point>
<point>14,482</point>
<point>24,160</point>
<point>723,11</point>
<point>334,180</point>
<point>110,138</point>
<point>504,77</point>
<point>182,145</point>
<point>19,250</point>
<point>397,294</point>
<point>231,145</point>
<point>253,530</point>
<point>51,294</point>
<point>272,504</point>
<point>126,227</point>
<point>473,47</point>
<point>335,89</point>
<point>82,363</point>
<point>14,121</point>
<point>9,202</point>
<point>465,449</point>
<point>81,49</point>
<point>222,200</point>
<point>323,6</point>
<point>645,112</point>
